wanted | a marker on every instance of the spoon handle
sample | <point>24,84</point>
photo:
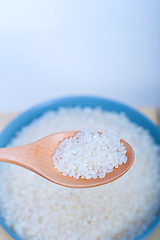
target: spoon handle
<point>22,156</point>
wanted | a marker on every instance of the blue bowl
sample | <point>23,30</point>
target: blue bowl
<point>27,117</point>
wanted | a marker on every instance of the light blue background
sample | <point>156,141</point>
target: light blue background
<point>54,48</point>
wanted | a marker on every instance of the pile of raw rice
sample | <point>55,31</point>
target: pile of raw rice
<point>37,209</point>
<point>89,154</point>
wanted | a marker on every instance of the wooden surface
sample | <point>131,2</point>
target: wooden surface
<point>150,112</point>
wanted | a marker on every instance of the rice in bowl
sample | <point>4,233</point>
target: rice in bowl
<point>37,209</point>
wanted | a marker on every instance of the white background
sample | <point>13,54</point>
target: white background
<point>55,48</point>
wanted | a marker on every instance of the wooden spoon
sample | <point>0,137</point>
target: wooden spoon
<point>37,157</point>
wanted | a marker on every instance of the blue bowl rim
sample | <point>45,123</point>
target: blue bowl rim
<point>43,105</point>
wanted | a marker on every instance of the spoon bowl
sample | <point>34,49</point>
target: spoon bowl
<point>37,157</point>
